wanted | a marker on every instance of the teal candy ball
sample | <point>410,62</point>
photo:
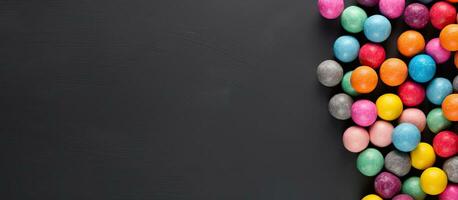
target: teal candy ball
<point>353,19</point>
<point>436,120</point>
<point>346,85</point>
<point>370,162</point>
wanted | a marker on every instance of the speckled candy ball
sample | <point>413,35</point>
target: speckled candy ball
<point>387,185</point>
<point>364,112</point>
<point>372,55</point>
<point>416,15</point>
<point>445,144</point>
<point>398,163</point>
<point>346,48</point>
<point>392,8</point>
<point>330,9</point>
<point>370,162</point>
<point>436,120</point>
<point>414,116</point>
<point>411,186</point>
<point>340,106</point>
<point>380,133</point>
<point>355,139</point>
<point>377,28</point>
<point>368,3</point>
<point>450,192</point>
<point>353,18</point>
<point>422,68</point>
<point>438,89</point>
<point>451,169</point>
<point>435,50</point>
<point>442,14</point>
<point>402,197</point>
<point>406,137</point>
<point>411,93</point>
<point>329,73</point>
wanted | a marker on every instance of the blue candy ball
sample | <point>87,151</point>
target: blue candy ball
<point>377,28</point>
<point>346,48</point>
<point>422,68</point>
<point>438,89</point>
<point>406,137</point>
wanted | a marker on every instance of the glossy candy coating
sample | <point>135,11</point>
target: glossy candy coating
<point>370,162</point>
<point>402,197</point>
<point>436,120</point>
<point>372,55</point>
<point>377,28</point>
<point>372,197</point>
<point>364,79</point>
<point>355,139</point>
<point>450,107</point>
<point>449,37</point>
<point>340,106</point>
<point>393,72</point>
<point>450,192</point>
<point>433,181</point>
<point>442,14</point>
<point>438,89</point>
<point>346,48</point>
<point>410,43</point>
<point>330,9</point>
<point>329,73</point>
<point>392,8</point>
<point>445,144</point>
<point>411,186</point>
<point>451,169</point>
<point>435,50</point>
<point>423,156</point>
<point>364,112</point>
<point>411,93</point>
<point>416,15</point>
<point>387,185</point>
<point>422,68</point>
<point>389,106</point>
<point>406,137</point>
<point>398,163</point>
<point>353,18</point>
<point>346,85</point>
<point>414,116</point>
<point>380,133</point>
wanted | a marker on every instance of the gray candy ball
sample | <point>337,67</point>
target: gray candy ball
<point>398,163</point>
<point>340,106</point>
<point>329,73</point>
<point>451,168</point>
<point>455,83</point>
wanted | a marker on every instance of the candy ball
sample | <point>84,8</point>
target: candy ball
<point>377,28</point>
<point>422,68</point>
<point>416,15</point>
<point>398,163</point>
<point>406,137</point>
<point>329,73</point>
<point>423,156</point>
<point>411,186</point>
<point>411,93</point>
<point>370,162</point>
<point>392,8</point>
<point>372,197</point>
<point>346,85</point>
<point>433,181</point>
<point>355,139</point>
<point>451,168</point>
<point>450,192</point>
<point>410,43</point>
<point>372,55</point>
<point>364,79</point>
<point>389,106</point>
<point>330,9</point>
<point>393,72</point>
<point>455,83</point>
<point>414,116</point>
<point>436,120</point>
<point>346,48</point>
<point>402,197</point>
<point>445,144</point>
<point>435,50</point>
<point>449,37</point>
<point>364,112</point>
<point>353,18</point>
<point>340,106</point>
<point>387,185</point>
<point>442,14</point>
<point>380,133</point>
<point>450,107</point>
<point>438,89</point>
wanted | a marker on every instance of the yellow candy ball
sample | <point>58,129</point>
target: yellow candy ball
<point>423,156</point>
<point>433,181</point>
<point>372,197</point>
<point>389,106</point>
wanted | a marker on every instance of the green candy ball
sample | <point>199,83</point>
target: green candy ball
<point>346,85</point>
<point>412,187</point>
<point>436,120</point>
<point>370,162</point>
<point>353,18</point>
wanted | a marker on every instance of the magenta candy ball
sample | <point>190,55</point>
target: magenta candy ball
<point>435,50</point>
<point>380,133</point>
<point>392,8</point>
<point>387,185</point>
<point>368,3</point>
<point>416,15</point>
<point>364,112</point>
<point>330,9</point>
<point>414,116</point>
<point>402,197</point>
<point>450,193</point>
<point>355,139</point>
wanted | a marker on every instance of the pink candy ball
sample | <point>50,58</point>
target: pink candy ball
<point>392,8</point>
<point>380,133</point>
<point>364,112</point>
<point>330,9</point>
<point>355,139</point>
<point>450,193</point>
<point>435,50</point>
<point>402,197</point>
<point>414,116</point>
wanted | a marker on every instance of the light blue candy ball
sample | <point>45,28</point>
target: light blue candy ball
<point>406,137</point>
<point>422,68</point>
<point>377,28</point>
<point>346,48</point>
<point>438,89</point>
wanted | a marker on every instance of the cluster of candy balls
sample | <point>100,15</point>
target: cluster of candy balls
<point>398,119</point>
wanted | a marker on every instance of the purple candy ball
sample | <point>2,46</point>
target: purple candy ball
<point>364,112</point>
<point>416,15</point>
<point>330,9</point>
<point>368,3</point>
<point>402,197</point>
<point>435,50</point>
<point>387,185</point>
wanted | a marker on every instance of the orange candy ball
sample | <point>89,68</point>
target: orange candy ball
<point>411,43</point>
<point>450,107</point>
<point>449,37</point>
<point>364,79</point>
<point>393,72</point>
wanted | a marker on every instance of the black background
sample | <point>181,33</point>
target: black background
<point>170,100</point>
